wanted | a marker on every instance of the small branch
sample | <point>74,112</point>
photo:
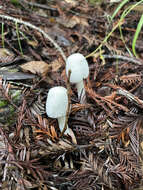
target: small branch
<point>16,20</point>
<point>131,59</point>
<point>38,5</point>
<point>130,97</point>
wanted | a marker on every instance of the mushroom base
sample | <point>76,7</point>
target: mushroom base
<point>81,91</point>
<point>61,121</point>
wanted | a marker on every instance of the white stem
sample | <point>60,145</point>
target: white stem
<point>81,91</point>
<point>61,121</point>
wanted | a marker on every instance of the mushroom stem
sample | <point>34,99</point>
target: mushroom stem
<point>61,121</point>
<point>81,91</point>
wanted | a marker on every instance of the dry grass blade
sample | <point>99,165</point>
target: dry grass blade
<point>130,97</point>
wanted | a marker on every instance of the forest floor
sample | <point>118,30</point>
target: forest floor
<point>105,148</point>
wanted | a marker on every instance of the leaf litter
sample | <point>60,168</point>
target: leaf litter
<point>105,148</point>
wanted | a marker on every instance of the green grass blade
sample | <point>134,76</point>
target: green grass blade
<point>124,14</point>
<point>140,23</point>
<point>118,8</point>
<point>130,8</point>
<point>123,40</point>
<point>105,39</point>
<point>18,37</point>
<point>2,34</point>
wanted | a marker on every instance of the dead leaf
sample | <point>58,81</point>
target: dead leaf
<point>72,2</point>
<point>5,52</point>
<point>33,43</point>
<point>36,67</point>
<point>8,75</point>
<point>72,21</point>
<point>6,55</point>
<point>80,20</point>
<point>56,65</point>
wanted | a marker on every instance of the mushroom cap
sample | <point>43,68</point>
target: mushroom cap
<point>57,102</point>
<point>79,67</point>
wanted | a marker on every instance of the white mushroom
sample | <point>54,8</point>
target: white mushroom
<point>57,104</point>
<point>79,70</point>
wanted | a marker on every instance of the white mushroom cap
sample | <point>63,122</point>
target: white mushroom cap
<point>57,102</point>
<point>79,67</point>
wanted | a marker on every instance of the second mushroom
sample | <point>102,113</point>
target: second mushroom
<point>77,64</point>
<point>57,105</point>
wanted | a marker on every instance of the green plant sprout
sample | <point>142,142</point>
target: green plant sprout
<point>18,38</point>
<point>101,57</point>
<point>105,40</point>
<point>3,103</point>
<point>2,34</point>
<point>136,35</point>
<point>94,2</point>
<point>15,2</point>
<point>124,14</point>
<point>118,8</point>
<point>38,29</point>
<point>123,40</point>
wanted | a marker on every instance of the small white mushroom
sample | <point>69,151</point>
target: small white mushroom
<point>79,70</point>
<point>57,104</point>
